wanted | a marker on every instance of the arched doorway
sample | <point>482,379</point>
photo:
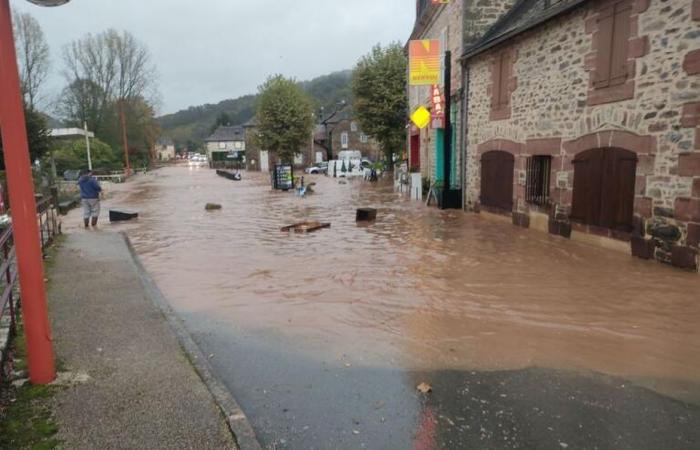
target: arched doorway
<point>497,179</point>
<point>604,188</point>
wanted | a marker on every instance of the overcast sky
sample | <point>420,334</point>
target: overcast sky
<point>211,50</point>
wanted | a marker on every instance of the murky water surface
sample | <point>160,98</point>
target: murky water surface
<point>332,330</point>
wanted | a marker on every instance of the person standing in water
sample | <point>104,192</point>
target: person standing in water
<point>89,197</point>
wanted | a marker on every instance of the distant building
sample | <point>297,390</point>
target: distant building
<point>263,160</point>
<point>165,149</point>
<point>227,146</point>
<point>345,133</point>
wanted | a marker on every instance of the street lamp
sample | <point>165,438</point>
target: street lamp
<point>30,267</point>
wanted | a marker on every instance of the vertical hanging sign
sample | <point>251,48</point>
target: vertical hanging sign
<point>424,62</point>
<point>438,107</point>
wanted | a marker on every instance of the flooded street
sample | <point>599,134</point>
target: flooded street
<point>528,340</point>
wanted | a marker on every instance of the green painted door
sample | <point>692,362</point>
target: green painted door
<point>439,165</point>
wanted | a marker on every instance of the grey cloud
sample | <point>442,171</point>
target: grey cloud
<point>209,50</point>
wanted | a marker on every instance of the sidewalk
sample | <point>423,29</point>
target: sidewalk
<point>142,391</point>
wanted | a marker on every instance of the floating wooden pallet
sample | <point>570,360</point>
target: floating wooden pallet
<point>305,227</point>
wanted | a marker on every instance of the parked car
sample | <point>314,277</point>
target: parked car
<point>321,167</point>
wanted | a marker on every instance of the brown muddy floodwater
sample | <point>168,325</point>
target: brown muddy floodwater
<point>420,291</point>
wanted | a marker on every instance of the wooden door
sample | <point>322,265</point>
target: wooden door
<point>497,180</point>
<point>604,188</point>
<point>414,158</point>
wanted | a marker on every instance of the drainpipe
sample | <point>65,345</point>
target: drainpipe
<point>465,132</point>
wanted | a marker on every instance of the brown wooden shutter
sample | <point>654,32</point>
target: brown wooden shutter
<point>588,189</point>
<point>606,22</point>
<point>497,179</point>
<point>579,206</point>
<point>504,91</point>
<point>496,78</point>
<point>625,173</point>
<point>620,42</point>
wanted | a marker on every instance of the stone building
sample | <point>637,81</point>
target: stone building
<point>345,133</point>
<point>584,121</point>
<point>226,147</point>
<point>164,149</point>
<point>343,129</point>
<point>455,24</point>
<point>263,160</point>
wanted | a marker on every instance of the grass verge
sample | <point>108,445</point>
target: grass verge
<point>26,412</point>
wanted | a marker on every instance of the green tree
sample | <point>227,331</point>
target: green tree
<point>223,119</point>
<point>380,103</point>
<point>38,136</point>
<point>284,113</point>
<point>72,155</point>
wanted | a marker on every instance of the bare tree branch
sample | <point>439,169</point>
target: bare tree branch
<point>32,55</point>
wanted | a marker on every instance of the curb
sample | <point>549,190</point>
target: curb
<point>236,419</point>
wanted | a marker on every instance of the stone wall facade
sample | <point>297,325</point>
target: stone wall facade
<point>446,22</point>
<point>460,23</point>
<point>357,139</point>
<point>556,110</point>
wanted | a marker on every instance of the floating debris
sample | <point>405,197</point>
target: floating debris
<point>365,214</point>
<point>121,215</point>
<point>212,206</point>
<point>305,227</point>
<point>424,388</point>
<point>235,176</point>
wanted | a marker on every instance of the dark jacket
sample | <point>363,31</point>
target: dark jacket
<point>89,187</point>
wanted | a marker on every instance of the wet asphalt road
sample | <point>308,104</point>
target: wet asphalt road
<point>528,340</point>
<point>297,402</point>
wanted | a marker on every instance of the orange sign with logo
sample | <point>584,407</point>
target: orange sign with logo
<point>424,62</point>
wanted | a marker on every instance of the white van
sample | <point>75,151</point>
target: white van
<point>349,154</point>
<point>353,168</point>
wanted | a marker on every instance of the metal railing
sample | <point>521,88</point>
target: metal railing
<point>8,286</point>
<point>49,228</point>
<point>49,224</point>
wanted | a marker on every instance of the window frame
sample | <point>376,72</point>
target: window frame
<point>538,179</point>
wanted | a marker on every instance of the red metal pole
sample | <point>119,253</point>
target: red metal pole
<point>40,356</point>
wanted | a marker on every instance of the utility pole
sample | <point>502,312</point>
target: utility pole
<point>125,141</point>
<point>87,145</point>
<point>312,156</point>
<point>30,267</point>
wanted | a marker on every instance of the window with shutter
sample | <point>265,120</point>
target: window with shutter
<point>504,92</point>
<point>612,43</point>
<point>501,78</point>
<point>496,87</point>
<point>620,42</point>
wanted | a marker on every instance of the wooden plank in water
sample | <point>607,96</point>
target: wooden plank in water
<point>305,227</point>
